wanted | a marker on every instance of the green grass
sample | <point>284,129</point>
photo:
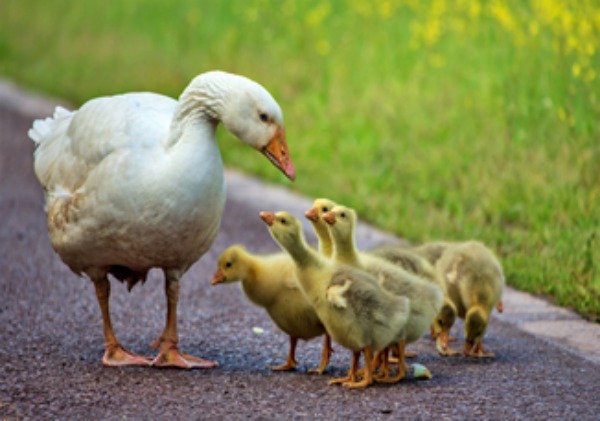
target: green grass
<point>456,120</point>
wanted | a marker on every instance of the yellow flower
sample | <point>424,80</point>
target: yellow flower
<point>438,7</point>
<point>318,14</point>
<point>534,28</point>
<point>385,8</point>
<point>431,32</point>
<point>502,14</point>
<point>590,49</point>
<point>567,21</point>
<point>474,8</point>
<point>576,69</point>
<point>562,114</point>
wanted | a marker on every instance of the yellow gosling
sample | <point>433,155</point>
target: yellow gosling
<point>270,282</point>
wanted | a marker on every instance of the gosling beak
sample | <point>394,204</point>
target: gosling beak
<point>329,217</point>
<point>277,152</point>
<point>312,214</point>
<point>218,277</point>
<point>268,217</point>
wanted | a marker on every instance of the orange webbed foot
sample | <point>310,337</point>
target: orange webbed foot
<point>287,366</point>
<point>477,350</point>
<point>170,356</point>
<point>117,356</point>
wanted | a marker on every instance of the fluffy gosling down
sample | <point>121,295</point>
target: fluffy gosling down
<point>356,311</point>
<point>474,281</point>
<point>425,297</point>
<point>417,261</point>
<point>270,282</point>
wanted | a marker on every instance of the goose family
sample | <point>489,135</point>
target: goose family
<point>135,181</point>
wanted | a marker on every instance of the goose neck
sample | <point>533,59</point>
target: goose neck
<point>201,104</point>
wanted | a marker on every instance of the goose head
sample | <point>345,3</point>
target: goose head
<point>231,266</point>
<point>247,110</point>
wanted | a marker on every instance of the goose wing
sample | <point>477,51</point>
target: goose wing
<point>72,143</point>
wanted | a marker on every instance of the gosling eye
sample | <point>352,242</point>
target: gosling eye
<point>324,209</point>
<point>283,221</point>
<point>228,264</point>
<point>343,214</point>
<point>264,117</point>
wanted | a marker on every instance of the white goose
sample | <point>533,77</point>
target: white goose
<point>135,181</point>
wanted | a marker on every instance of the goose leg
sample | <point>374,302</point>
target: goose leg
<point>169,354</point>
<point>401,365</point>
<point>368,377</point>
<point>407,354</point>
<point>385,376</point>
<point>115,354</point>
<point>476,350</point>
<point>381,361</point>
<point>351,376</point>
<point>290,362</point>
<point>327,351</point>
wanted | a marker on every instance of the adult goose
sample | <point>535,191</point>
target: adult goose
<point>135,181</point>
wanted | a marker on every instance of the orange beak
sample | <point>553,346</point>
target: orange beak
<point>268,217</point>
<point>329,217</point>
<point>278,153</point>
<point>218,277</point>
<point>312,214</point>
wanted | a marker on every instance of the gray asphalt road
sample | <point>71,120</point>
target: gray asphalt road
<point>51,340</point>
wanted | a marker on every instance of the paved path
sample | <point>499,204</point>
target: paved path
<point>547,363</point>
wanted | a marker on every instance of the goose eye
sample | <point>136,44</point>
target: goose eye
<point>228,264</point>
<point>264,117</point>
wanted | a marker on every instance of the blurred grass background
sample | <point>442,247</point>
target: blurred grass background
<point>434,119</point>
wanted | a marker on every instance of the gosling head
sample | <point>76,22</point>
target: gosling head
<point>230,266</point>
<point>445,318</point>
<point>315,216</point>
<point>319,208</point>
<point>284,228</point>
<point>341,221</point>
